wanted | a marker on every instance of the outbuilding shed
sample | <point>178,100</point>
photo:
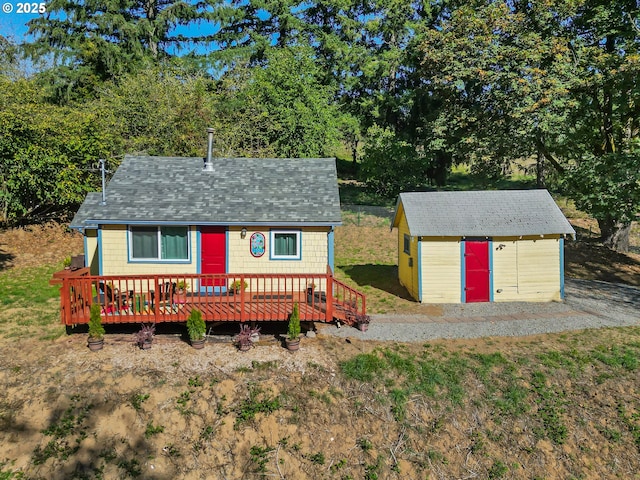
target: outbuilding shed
<point>481,246</point>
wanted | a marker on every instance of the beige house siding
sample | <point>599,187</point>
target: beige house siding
<point>526,269</point>
<point>91,251</point>
<point>115,259</point>
<point>441,270</point>
<point>408,263</point>
<point>314,256</point>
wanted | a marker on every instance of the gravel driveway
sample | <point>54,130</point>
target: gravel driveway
<point>588,304</point>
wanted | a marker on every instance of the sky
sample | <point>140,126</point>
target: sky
<point>14,16</point>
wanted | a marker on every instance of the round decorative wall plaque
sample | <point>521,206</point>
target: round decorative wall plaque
<point>257,244</point>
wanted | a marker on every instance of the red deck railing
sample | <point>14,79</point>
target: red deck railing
<point>226,298</point>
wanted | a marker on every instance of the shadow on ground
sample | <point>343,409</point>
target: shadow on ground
<point>589,259</point>
<point>382,277</point>
<point>6,259</point>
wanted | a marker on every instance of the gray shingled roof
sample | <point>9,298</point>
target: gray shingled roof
<point>482,213</point>
<point>239,191</point>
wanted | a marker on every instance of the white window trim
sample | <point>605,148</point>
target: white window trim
<point>272,245</point>
<point>158,259</point>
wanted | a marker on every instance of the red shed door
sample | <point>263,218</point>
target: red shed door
<point>213,253</point>
<point>476,261</point>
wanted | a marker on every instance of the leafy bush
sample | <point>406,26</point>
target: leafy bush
<point>196,327</point>
<point>294,323</point>
<point>96,330</point>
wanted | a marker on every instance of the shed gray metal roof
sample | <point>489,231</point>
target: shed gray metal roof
<point>482,213</point>
<point>239,191</point>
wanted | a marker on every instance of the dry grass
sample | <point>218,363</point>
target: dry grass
<point>549,406</point>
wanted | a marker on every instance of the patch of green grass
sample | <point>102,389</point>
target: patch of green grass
<point>131,467</point>
<point>364,367</point>
<point>264,366</point>
<point>365,444</point>
<point>616,356</point>
<point>195,382</point>
<point>486,362</point>
<point>513,400</point>
<point>258,402</point>
<point>137,399</point>
<point>66,432</point>
<point>550,409</point>
<point>29,306</point>
<point>497,470</point>
<point>183,403</point>
<point>317,458</point>
<point>9,474</point>
<point>259,458</point>
<point>152,430</point>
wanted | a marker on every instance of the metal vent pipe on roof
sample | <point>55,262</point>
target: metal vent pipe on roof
<point>208,163</point>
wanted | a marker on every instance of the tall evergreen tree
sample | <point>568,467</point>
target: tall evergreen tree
<point>95,40</point>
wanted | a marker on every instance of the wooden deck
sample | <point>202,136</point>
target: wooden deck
<point>159,298</point>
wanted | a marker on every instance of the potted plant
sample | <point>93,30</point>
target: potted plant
<point>144,337</point>
<point>293,333</point>
<point>96,330</point>
<point>246,337</point>
<point>182,287</point>
<point>197,329</point>
<point>238,285</point>
<point>66,263</point>
<point>363,322</point>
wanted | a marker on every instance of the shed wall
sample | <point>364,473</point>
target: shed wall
<point>527,269</point>
<point>441,270</point>
<point>408,263</point>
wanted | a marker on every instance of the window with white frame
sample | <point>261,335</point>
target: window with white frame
<point>153,243</point>
<point>286,245</point>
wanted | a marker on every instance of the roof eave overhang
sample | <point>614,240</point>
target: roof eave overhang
<point>93,224</point>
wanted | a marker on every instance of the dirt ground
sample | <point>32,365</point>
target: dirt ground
<point>174,412</point>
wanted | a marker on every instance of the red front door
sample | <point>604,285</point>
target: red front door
<point>213,253</point>
<point>476,268</point>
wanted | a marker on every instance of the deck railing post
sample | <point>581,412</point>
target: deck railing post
<point>329,313</point>
<point>242,292</point>
<point>65,292</point>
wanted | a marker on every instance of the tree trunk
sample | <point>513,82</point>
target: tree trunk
<point>615,235</point>
<point>540,170</point>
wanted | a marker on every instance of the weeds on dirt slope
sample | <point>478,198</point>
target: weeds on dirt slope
<point>557,406</point>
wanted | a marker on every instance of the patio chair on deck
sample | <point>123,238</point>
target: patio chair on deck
<point>166,295</point>
<point>112,301</point>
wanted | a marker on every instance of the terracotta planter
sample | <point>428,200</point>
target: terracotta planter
<point>95,345</point>
<point>245,347</point>
<point>146,345</point>
<point>198,344</point>
<point>292,345</point>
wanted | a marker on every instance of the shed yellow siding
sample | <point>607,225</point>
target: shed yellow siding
<point>441,270</point>
<point>526,269</point>
<point>115,259</point>
<point>314,253</point>
<point>408,263</point>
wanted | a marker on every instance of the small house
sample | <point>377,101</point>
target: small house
<point>481,246</point>
<point>240,215</point>
<point>240,239</point>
